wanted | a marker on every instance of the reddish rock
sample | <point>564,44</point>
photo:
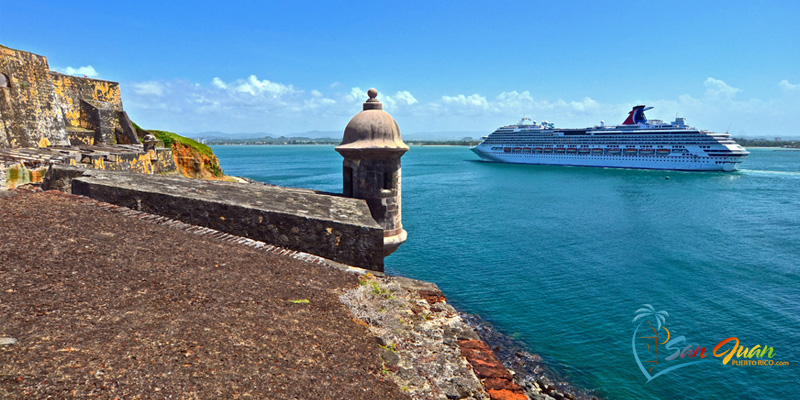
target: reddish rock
<point>472,345</point>
<point>507,395</point>
<point>432,296</point>
<point>483,361</point>
<point>499,384</point>
<point>495,377</point>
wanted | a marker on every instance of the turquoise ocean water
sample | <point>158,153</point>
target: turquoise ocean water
<point>561,258</point>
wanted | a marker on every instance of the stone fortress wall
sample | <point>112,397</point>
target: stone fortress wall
<point>71,134</point>
<point>49,118</point>
<point>29,105</point>
<point>72,89</point>
<point>37,104</point>
<point>93,110</point>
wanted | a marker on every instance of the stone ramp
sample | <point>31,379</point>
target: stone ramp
<point>330,226</point>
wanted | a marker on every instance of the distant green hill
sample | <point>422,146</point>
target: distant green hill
<point>768,143</point>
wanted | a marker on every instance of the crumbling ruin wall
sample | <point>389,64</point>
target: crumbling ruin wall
<point>29,105</point>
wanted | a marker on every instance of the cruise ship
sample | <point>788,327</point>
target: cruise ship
<point>637,143</point>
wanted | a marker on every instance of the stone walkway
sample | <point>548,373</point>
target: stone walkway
<point>107,304</point>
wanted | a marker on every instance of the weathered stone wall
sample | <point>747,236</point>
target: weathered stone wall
<point>377,180</point>
<point>23,166</point>
<point>74,91</point>
<point>334,227</point>
<point>18,174</point>
<point>154,162</point>
<point>80,136</point>
<point>42,104</point>
<point>29,108</point>
<point>101,117</point>
<point>96,105</point>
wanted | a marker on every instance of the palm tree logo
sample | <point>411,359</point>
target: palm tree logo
<point>649,314</point>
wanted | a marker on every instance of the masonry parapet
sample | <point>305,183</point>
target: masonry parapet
<point>331,226</point>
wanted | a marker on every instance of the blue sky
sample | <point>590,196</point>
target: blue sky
<point>284,67</point>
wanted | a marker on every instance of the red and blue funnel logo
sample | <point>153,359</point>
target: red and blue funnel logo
<point>636,116</point>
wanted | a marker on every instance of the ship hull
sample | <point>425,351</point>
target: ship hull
<point>678,162</point>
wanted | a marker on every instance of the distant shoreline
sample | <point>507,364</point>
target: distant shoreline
<point>416,143</point>
<point>439,145</point>
<point>443,143</point>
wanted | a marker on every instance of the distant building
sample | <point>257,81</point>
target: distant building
<point>778,139</point>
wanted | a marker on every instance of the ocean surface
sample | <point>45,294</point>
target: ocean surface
<point>562,257</point>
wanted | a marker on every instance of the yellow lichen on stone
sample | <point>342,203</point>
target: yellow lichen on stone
<point>18,175</point>
<point>71,89</point>
<point>142,164</point>
<point>37,175</point>
<point>44,142</point>
<point>99,163</point>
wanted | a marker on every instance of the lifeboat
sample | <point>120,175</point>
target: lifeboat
<point>584,150</point>
<point>597,150</point>
<point>630,151</point>
<point>646,152</point>
<point>560,149</point>
<point>614,151</point>
<point>537,149</point>
<point>526,149</point>
<point>548,150</point>
<point>572,150</point>
<point>507,149</point>
<point>662,152</point>
<point>517,149</point>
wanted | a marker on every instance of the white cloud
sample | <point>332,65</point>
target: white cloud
<point>401,98</point>
<point>473,100</point>
<point>318,102</point>
<point>717,89</point>
<point>150,88</point>
<point>260,105</point>
<point>514,99</point>
<point>784,84</point>
<point>254,86</point>
<point>356,95</point>
<point>218,83</point>
<point>81,71</point>
<point>405,96</point>
<point>584,105</point>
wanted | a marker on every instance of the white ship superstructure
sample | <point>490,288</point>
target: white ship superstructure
<point>637,143</point>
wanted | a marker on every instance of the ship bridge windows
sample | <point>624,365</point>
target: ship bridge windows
<point>5,81</point>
